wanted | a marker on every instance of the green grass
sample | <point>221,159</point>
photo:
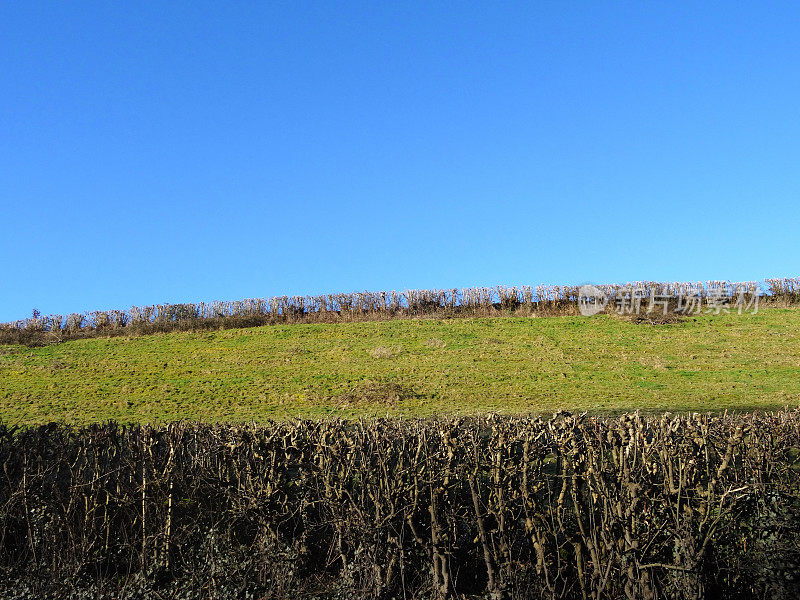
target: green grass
<point>413,368</point>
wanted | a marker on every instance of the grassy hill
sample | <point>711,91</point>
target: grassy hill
<point>411,367</point>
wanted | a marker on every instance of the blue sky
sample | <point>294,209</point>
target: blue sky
<point>170,152</point>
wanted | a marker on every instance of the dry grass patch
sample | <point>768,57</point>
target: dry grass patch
<point>435,343</point>
<point>654,318</point>
<point>383,393</point>
<point>385,351</point>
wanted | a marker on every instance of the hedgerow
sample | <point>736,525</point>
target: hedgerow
<point>688,506</point>
<point>40,329</point>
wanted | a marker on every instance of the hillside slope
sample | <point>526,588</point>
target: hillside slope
<point>413,367</point>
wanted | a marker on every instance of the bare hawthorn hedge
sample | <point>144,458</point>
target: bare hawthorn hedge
<point>40,329</point>
<point>571,507</point>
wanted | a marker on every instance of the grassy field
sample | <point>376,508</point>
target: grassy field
<point>413,368</point>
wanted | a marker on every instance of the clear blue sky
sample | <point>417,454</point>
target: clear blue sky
<point>169,152</point>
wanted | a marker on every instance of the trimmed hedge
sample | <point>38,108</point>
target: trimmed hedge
<point>694,506</point>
